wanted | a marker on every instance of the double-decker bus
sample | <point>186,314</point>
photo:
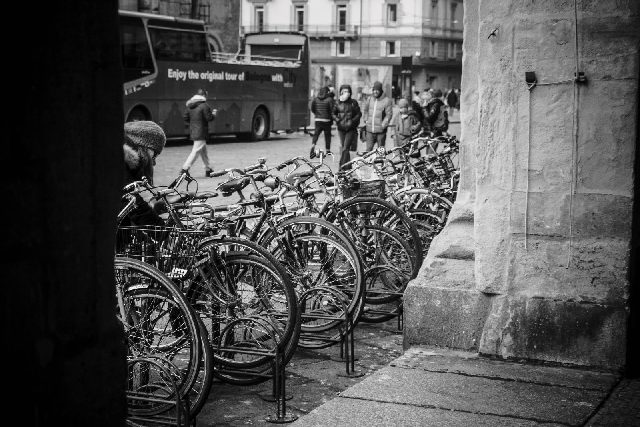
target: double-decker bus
<point>261,89</point>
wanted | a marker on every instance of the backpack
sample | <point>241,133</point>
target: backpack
<point>436,115</point>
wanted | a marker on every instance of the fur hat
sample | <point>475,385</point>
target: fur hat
<point>403,103</point>
<point>347,87</point>
<point>377,85</point>
<point>145,134</point>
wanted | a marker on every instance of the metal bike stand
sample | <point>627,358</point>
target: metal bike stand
<point>345,329</point>
<point>181,416</point>
<point>278,375</point>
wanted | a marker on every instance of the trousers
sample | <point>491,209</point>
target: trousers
<point>199,149</point>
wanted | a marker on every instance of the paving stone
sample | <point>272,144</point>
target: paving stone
<point>357,413</point>
<point>467,363</point>
<point>544,403</point>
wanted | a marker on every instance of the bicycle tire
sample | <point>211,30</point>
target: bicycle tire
<point>256,285</point>
<point>143,290</point>
<point>360,209</point>
<point>308,232</point>
<point>383,247</point>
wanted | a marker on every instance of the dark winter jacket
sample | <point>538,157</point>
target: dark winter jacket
<point>137,164</point>
<point>322,105</point>
<point>436,117</point>
<point>198,114</point>
<point>346,114</point>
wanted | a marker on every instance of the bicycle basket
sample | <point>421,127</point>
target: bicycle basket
<point>375,188</point>
<point>171,250</point>
<point>446,163</point>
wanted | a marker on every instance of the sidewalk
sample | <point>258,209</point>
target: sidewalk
<point>439,387</point>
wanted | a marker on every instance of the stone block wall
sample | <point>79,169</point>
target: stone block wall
<point>545,206</point>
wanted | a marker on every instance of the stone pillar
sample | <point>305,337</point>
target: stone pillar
<point>552,179</point>
<point>62,173</point>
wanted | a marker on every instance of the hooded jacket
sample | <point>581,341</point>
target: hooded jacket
<point>198,114</point>
<point>377,113</point>
<point>346,114</point>
<point>322,105</point>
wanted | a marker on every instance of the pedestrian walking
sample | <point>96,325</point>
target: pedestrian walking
<point>143,142</point>
<point>321,107</point>
<point>198,114</point>
<point>377,113</point>
<point>346,114</point>
<point>452,100</point>
<point>406,123</point>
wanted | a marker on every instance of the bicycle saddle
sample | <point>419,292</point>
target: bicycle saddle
<point>231,186</point>
<point>300,176</point>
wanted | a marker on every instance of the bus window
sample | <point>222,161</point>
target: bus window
<point>136,55</point>
<point>278,51</point>
<point>169,44</point>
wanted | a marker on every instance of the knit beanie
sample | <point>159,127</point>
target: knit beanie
<point>377,85</point>
<point>346,86</point>
<point>145,134</point>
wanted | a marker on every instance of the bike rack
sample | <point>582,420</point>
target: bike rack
<point>170,402</point>
<point>345,328</point>
<point>278,372</point>
<point>398,312</point>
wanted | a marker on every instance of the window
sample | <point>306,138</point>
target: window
<point>434,13</point>
<point>136,55</point>
<point>452,50</point>
<point>174,45</point>
<point>259,18</point>
<point>340,48</point>
<point>299,16</point>
<point>341,18</point>
<point>453,19</point>
<point>392,14</point>
<point>433,49</point>
<point>391,48</point>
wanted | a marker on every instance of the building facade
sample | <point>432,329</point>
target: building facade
<point>408,45</point>
<point>221,17</point>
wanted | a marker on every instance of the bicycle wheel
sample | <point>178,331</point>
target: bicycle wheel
<point>315,258</point>
<point>157,321</point>
<point>383,247</point>
<point>201,388</point>
<point>355,214</point>
<point>228,286</point>
<point>429,225</point>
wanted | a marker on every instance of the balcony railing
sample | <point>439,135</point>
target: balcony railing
<point>314,31</point>
<point>441,24</point>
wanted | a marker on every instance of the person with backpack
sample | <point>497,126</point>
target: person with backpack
<point>346,114</point>
<point>436,117</point>
<point>377,113</point>
<point>321,106</point>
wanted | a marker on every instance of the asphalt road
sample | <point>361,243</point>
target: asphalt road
<point>227,152</point>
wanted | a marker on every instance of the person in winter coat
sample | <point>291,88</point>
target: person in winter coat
<point>143,142</point>
<point>321,107</point>
<point>377,113</point>
<point>346,114</point>
<point>436,117</point>
<point>198,114</point>
<point>406,123</point>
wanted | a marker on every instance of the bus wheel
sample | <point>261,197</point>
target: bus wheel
<point>137,114</point>
<point>260,125</point>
